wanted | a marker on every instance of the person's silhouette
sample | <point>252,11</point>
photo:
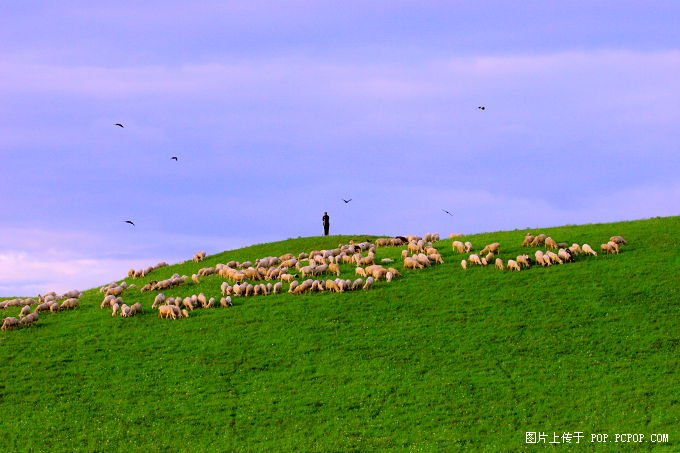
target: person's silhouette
<point>326,223</point>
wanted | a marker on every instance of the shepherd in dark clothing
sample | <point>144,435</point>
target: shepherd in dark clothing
<point>326,223</point>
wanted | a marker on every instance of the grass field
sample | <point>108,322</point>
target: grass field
<point>440,360</point>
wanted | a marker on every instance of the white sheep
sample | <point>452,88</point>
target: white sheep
<point>368,284</point>
<point>10,323</point>
<point>463,264</point>
<point>499,264</point>
<point>619,240</point>
<point>491,248</point>
<point>458,246</point>
<point>523,261</point>
<point>588,250</point>
<point>474,259</point>
<point>550,243</point>
<point>160,298</point>
<point>135,309</point>
<point>25,311</point>
<point>513,265</point>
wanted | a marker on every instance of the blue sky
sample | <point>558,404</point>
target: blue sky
<point>277,110</point>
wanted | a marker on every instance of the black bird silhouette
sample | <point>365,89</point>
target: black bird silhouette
<point>447,212</point>
<point>174,158</point>
<point>481,107</point>
<point>119,125</point>
<point>346,201</point>
<point>130,222</point>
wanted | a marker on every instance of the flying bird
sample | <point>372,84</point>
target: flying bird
<point>130,222</point>
<point>119,125</point>
<point>447,212</point>
<point>346,201</point>
<point>174,158</point>
<point>481,107</point>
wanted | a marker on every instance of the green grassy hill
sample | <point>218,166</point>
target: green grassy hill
<point>440,360</point>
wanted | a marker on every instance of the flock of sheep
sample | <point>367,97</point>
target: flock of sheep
<point>303,273</point>
<point>565,252</point>
<point>49,302</point>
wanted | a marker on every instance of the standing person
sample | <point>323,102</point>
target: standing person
<point>326,223</point>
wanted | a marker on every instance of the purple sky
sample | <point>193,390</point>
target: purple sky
<point>277,110</point>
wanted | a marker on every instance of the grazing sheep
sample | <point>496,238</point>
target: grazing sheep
<point>562,253</point>
<point>25,311</point>
<point>484,262</point>
<point>277,288</point>
<point>389,276</point>
<point>188,303</point>
<point>554,257</point>
<point>166,311</point>
<point>491,248</point>
<point>195,279</point>
<point>588,250</point>
<point>435,258</point>
<point>211,303</point>
<point>538,240</point>
<point>527,240</point>
<point>135,309</point>
<point>422,259</point>
<point>489,257</point>
<point>114,309</point>
<point>499,264</point>
<point>550,243</point>
<point>331,285</point>
<point>575,249</point>
<point>540,258</point>
<point>288,277</point>
<point>524,261</point>
<point>115,291</point>
<point>294,284</point>
<point>513,265</point>
<point>411,263</point>
<point>468,247</point>
<point>455,235</point>
<point>474,259</point>
<point>106,303</point>
<point>463,264</point>
<point>334,268</point>
<point>199,256</point>
<point>458,246</point>
<point>619,240</point>
<point>30,319</point>
<point>10,323</point>
<point>202,300</point>
<point>125,310</point>
<point>613,246</point>
<point>368,284</point>
<point>54,307</point>
<point>160,298</point>
<point>404,254</point>
<point>226,302</point>
<point>69,304</point>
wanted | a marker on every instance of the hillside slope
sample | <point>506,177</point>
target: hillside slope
<point>440,360</point>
